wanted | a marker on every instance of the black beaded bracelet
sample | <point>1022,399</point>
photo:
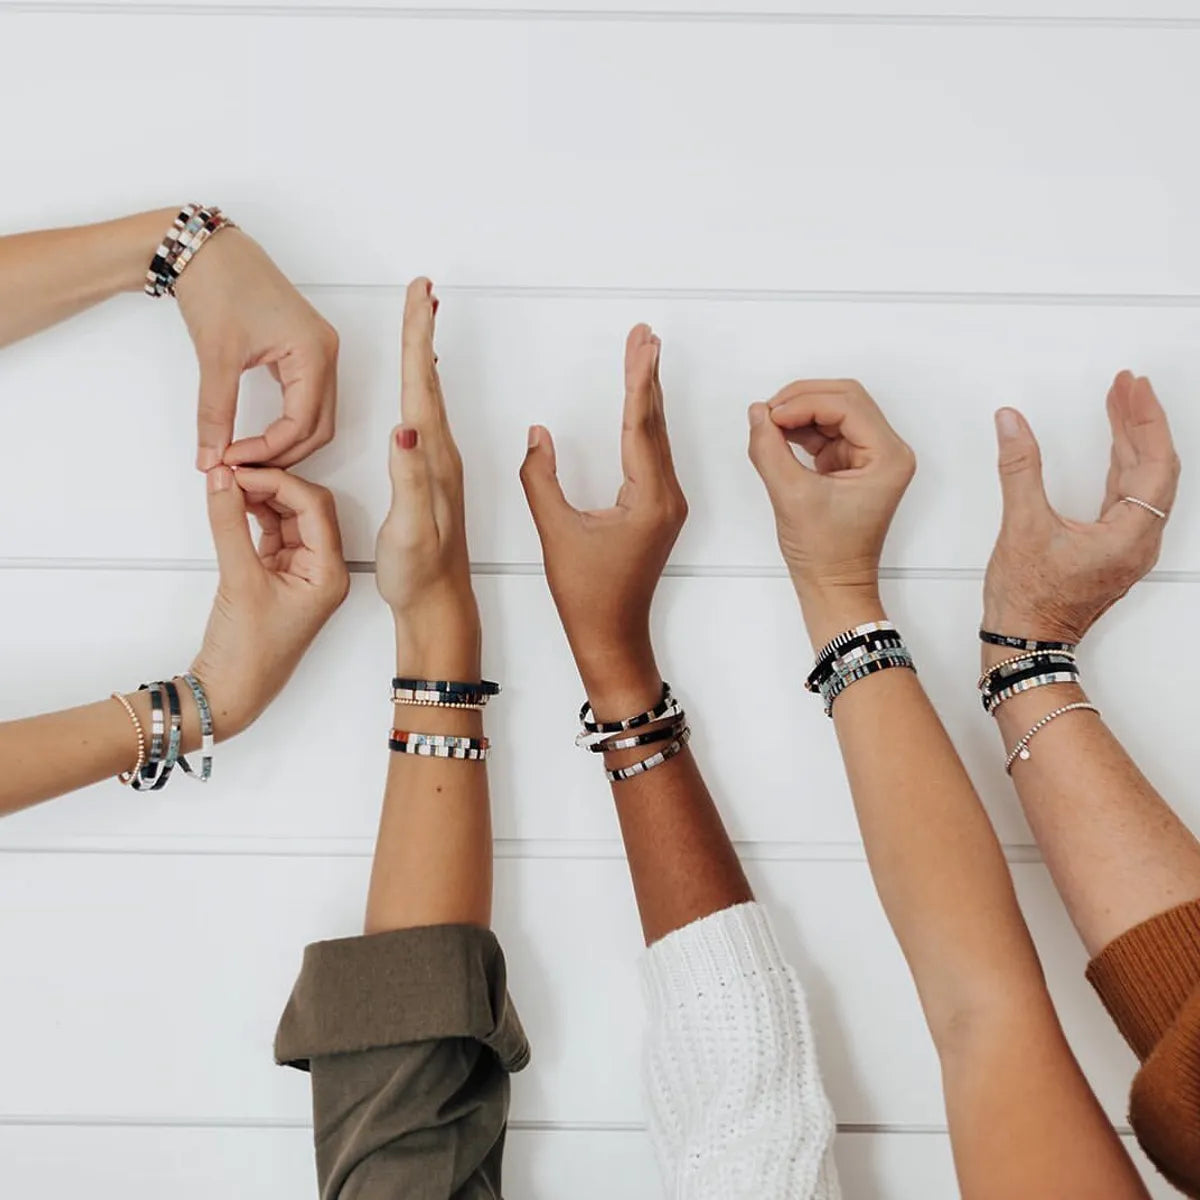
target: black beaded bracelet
<point>829,651</point>
<point>1047,662</point>
<point>877,640</point>
<point>1016,643</point>
<point>642,739</point>
<point>592,726</point>
<point>485,687</point>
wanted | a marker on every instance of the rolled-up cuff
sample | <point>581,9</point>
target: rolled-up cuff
<point>401,987</point>
<point>1147,975</point>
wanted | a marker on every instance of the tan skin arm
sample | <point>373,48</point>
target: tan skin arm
<point>603,568</point>
<point>433,856</point>
<point>1117,852</point>
<point>1023,1120</point>
<point>271,602</point>
<point>240,312</point>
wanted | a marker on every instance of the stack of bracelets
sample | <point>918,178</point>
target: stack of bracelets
<point>1033,665</point>
<point>156,762</point>
<point>441,693</point>
<point>194,225</point>
<point>855,654</point>
<point>670,726</point>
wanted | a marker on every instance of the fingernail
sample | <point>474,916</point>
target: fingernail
<point>758,414</point>
<point>1008,424</point>
<point>535,436</point>
<point>406,438</point>
<point>429,287</point>
<point>436,305</point>
<point>207,457</point>
<point>220,479</point>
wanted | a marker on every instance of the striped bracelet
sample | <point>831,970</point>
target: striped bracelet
<point>438,745</point>
<point>193,226</point>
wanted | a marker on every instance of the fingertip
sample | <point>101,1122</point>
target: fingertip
<point>757,413</point>
<point>535,437</point>
<point>1009,424</point>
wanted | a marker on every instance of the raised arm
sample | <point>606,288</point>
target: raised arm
<point>270,604</point>
<point>1126,866</point>
<point>733,1079</point>
<point>240,311</point>
<point>1023,1121</point>
<point>408,1030</point>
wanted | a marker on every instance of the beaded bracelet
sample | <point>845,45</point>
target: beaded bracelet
<point>206,731</point>
<point>438,745</point>
<point>1031,667</point>
<point>190,230</point>
<point>446,687</point>
<point>1008,665</point>
<point>873,639</point>
<point>128,777</point>
<point>618,774</point>
<point>871,664</point>
<point>587,718</point>
<point>829,651</point>
<point>148,773</point>
<point>641,739</point>
<point>992,703</point>
<point>1017,643</point>
<point>1021,749</point>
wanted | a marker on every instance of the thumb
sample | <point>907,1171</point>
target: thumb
<point>219,383</point>
<point>539,478</point>
<point>1020,467</point>
<point>236,556</point>
<point>770,450</point>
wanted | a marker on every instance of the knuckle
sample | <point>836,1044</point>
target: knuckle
<point>1016,462</point>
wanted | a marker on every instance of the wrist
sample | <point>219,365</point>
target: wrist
<point>622,684</point>
<point>830,609</point>
<point>133,241</point>
<point>449,650</point>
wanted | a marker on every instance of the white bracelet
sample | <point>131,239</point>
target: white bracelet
<point>1021,749</point>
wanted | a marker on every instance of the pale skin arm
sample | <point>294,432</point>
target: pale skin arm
<point>1117,852</point>
<point>603,568</point>
<point>1023,1120</point>
<point>433,855</point>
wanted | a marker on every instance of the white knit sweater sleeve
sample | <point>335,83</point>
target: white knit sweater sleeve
<point>737,1110</point>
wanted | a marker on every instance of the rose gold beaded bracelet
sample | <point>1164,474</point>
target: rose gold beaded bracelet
<point>129,776</point>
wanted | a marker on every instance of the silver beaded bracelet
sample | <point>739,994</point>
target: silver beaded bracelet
<point>617,774</point>
<point>993,701</point>
<point>1021,749</point>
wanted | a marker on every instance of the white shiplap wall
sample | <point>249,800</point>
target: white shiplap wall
<point>963,202</point>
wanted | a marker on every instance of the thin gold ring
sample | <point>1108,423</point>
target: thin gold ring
<point>1158,512</point>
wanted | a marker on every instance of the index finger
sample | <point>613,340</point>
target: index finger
<point>421,403</point>
<point>838,408</point>
<point>313,506</point>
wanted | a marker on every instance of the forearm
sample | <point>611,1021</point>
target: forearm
<point>1117,852</point>
<point>681,860</point>
<point>433,856</point>
<point>48,276</point>
<point>937,864</point>
<point>50,755</point>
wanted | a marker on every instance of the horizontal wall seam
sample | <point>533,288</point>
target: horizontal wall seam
<point>546,15</point>
<point>568,849</point>
<point>19,1120</point>
<point>483,569</point>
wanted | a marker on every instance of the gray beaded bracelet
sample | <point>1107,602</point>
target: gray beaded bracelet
<point>206,731</point>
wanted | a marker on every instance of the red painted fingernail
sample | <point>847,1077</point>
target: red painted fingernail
<point>436,305</point>
<point>429,287</point>
<point>406,439</point>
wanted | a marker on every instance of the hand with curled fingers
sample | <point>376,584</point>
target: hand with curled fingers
<point>271,600</point>
<point>603,566</point>
<point>241,313</point>
<point>832,518</point>
<point>423,567</point>
<point>1050,577</point>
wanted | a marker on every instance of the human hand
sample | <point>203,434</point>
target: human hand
<point>423,568</point>
<point>242,312</point>
<point>603,567</point>
<point>271,602</point>
<point>1051,578</point>
<point>832,518</point>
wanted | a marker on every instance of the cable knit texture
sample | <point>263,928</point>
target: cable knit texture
<point>737,1109</point>
<point>1149,980</point>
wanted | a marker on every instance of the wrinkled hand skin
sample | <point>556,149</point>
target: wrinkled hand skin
<point>241,312</point>
<point>832,518</point>
<point>603,566</point>
<point>272,600</point>
<point>1050,577</point>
